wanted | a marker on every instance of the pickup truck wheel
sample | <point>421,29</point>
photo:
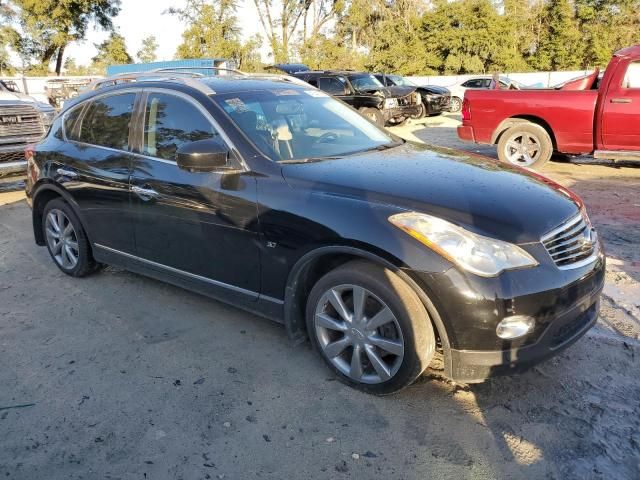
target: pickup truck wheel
<point>373,114</point>
<point>526,145</point>
<point>455,105</point>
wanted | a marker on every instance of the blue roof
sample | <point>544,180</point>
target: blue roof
<point>145,67</point>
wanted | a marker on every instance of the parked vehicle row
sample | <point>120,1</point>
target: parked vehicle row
<point>273,196</point>
<point>384,99</point>
<point>583,116</point>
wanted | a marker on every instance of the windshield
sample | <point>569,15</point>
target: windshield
<point>11,86</point>
<point>301,125</point>
<point>401,81</point>
<point>365,82</point>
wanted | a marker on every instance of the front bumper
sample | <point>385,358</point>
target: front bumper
<point>564,304</point>
<point>400,113</point>
<point>12,160</point>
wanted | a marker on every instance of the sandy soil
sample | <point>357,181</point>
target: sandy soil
<point>117,376</point>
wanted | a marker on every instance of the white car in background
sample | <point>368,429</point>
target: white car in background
<point>481,82</point>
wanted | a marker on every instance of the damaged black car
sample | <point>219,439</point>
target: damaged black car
<point>364,92</point>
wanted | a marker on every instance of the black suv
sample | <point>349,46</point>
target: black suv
<point>283,201</point>
<point>364,92</point>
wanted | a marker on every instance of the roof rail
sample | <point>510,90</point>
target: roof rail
<point>179,69</point>
<point>188,78</point>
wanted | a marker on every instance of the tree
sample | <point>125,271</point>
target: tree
<point>560,45</point>
<point>51,25</point>
<point>113,51</point>
<point>213,32</point>
<point>147,52</point>
<point>280,25</point>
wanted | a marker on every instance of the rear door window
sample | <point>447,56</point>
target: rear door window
<point>472,84</point>
<point>106,122</point>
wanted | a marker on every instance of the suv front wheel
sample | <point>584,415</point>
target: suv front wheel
<point>373,114</point>
<point>370,327</point>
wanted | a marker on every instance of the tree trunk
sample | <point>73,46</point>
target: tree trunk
<point>59,59</point>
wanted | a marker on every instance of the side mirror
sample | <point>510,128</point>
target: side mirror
<point>202,156</point>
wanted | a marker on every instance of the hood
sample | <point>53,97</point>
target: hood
<point>5,95</point>
<point>392,92</point>
<point>480,194</point>
<point>434,90</point>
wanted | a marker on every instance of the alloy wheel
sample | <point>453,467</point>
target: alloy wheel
<point>359,334</point>
<point>523,149</point>
<point>62,239</point>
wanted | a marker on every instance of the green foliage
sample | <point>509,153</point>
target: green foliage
<point>560,45</point>
<point>322,53</point>
<point>147,52</point>
<point>213,32</point>
<point>48,26</point>
<point>113,51</point>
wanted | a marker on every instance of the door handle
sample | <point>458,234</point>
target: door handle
<point>144,193</point>
<point>66,173</point>
<point>621,100</point>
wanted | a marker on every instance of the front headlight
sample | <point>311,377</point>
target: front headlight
<point>390,102</point>
<point>475,253</point>
<point>47,114</point>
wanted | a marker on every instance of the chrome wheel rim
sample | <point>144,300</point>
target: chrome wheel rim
<point>456,104</point>
<point>523,149</point>
<point>359,334</point>
<point>62,239</point>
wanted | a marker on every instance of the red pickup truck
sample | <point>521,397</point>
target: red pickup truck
<point>583,116</point>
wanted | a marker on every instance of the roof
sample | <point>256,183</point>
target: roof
<point>632,51</point>
<point>192,63</point>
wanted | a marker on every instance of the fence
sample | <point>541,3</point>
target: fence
<point>533,79</point>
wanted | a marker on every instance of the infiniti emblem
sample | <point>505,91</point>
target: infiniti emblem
<point>357,333</point>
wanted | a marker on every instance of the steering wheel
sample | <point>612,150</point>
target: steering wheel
<point>329,137</point>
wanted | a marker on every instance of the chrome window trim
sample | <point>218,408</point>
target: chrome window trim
<point>202,110</point>
<point>190,275</point>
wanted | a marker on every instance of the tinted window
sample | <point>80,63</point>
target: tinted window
<point>106,122</point>
<point>332,85</point>
<point>313,82</point>
<point>170,122</point>
<point>473,83</point>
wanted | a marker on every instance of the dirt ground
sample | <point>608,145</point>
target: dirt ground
<point>117,376</point>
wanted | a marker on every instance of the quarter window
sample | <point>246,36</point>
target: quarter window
<point>70,119</point>
<point>106,122</point>
<point>170,122</point>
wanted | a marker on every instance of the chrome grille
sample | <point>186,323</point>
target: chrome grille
<point>19,121</point>
<point>571,243</point>
<point>11,157</point>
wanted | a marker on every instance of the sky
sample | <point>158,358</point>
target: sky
<point>140,18</point>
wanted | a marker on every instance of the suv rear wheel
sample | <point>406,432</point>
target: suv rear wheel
<point>370,327</point>
<point>66,239</point>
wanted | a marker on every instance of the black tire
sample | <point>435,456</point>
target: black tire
<point>416,331</point>
<point>455,105</point>
<point>538,145</point>
<point>373,114</point>
<point>85,263</point>
<point>422,113</point>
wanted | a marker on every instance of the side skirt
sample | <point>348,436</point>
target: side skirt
<point>247,300</point>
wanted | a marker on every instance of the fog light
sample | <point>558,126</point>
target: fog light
<point>515,327</point>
